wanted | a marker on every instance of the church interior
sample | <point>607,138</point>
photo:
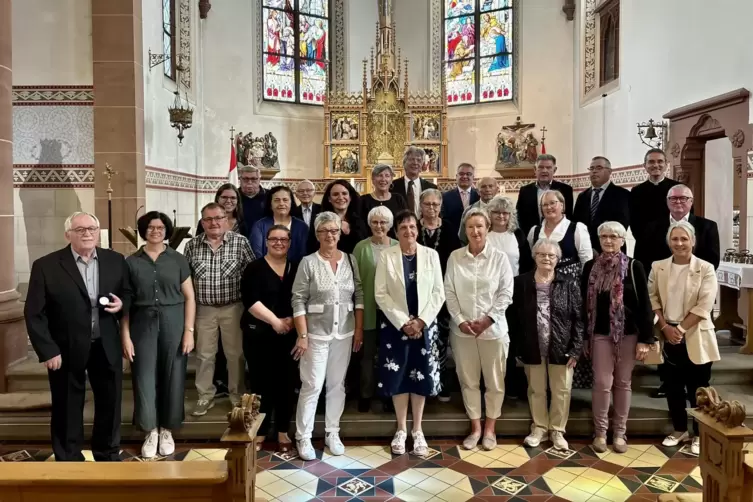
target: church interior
<point>119,107</point>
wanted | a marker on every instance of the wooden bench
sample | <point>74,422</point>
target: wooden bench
<point>229,480</point>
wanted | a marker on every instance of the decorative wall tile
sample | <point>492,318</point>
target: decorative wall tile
<point>589,46</point>
<point>53,134</point>
<point>53,176</point>
<point>52,95</point>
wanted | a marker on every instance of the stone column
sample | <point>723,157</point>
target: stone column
<point>13,339</point>
<point>118,113</point>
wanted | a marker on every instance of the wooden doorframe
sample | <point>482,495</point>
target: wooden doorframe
<point>691,126</point>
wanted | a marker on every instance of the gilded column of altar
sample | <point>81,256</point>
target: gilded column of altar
<point>13,340</point>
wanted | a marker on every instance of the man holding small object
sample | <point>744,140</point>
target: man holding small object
<point>72,314</point>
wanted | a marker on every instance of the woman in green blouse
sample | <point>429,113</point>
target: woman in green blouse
<point>366,254</point>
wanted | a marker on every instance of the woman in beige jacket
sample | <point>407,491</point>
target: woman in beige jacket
<point>683,290</point>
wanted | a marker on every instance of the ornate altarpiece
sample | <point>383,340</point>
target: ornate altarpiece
<point>378,124</point>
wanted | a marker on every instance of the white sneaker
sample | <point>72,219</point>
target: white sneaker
<point>332,441</point>
<point>536,437</point>
<point>695,446</point>
<point>398,443</point>
<point>420,447</point>
<point>305,449</point>
<point>149,448</point>
<point>558,440</point>
<point>166,443</point>
<point>675,438</point>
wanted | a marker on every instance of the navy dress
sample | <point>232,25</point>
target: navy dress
<point>408,365</point>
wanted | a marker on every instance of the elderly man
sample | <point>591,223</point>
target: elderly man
<point>457,200</point>
<point>488,188</point>
<point>308,209</point>
<point>253,196</point>
<point>602,201</point>
<point>217,259</point>
<point>528,207</point>
<point>411,184</point>
<point>72,311</point>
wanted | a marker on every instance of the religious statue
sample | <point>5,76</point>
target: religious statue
<point>517,146</point>
<point>425,128</point>
<point>345,161</point>
<point>344,129</point>
<point>259,151</point>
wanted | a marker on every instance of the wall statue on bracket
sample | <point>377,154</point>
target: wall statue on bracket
<point>257,151</point>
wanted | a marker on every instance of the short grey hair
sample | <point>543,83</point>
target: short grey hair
<point>556,193</point>
<point>431,192</point>
<point>380,168</point>
<point>475,211</point>
<point>69,221</point>
<point>383,212</point>
<point>614,227</point>
<point>413,150</point>
<point>503,204</point>
<point>682,225</point>
<point>545,242</point>
<point>544,157</point>
<point>249,169</point>
<point>303,182</point>
<point>679,187</point>
<point>606,161</point>
<point>327,217</point>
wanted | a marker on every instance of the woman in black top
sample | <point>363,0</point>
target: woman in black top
<point>268,333</point>
<point>381,177</point>
<point>342,199</point>
<point>619,330</point>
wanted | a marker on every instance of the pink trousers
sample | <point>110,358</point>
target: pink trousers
<point>612,378</point>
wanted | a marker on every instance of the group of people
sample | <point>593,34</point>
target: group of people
<point>368,293</point>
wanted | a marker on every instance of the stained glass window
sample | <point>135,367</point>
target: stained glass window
<point>478,51</point>
<point>168,38</point>
<point>296,49</point>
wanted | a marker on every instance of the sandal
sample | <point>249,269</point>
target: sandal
<point>258,443</point>
<point>284,446</point>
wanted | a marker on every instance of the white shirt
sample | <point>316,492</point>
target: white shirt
<point>602,189</point>
<point>416,192</point>
<point>582,239</point>
<point>508,244</point>
<point>540,193</point>
<point>306,213</point>
<point>674,308</point>
<point>477,286</point>
<point>684,218</point>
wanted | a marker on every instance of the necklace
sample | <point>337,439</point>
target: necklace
<point>543,280</point>
<point>409,257</point>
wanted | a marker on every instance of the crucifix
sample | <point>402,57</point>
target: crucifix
<point>385,110</point>
<point>232,133</point>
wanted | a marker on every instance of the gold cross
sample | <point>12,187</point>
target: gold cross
<point>109,173</point>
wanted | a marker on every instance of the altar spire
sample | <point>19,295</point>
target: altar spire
<point>386,68</point>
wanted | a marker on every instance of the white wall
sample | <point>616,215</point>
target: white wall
<point>412,21</point>
<point>673,53</point>
<point>360,32</point>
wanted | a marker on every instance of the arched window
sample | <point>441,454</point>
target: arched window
<point>295,50</point>
<point>609,41</point>
<point>169,44</point>
<point>478,53</point>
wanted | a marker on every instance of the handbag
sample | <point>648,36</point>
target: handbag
<point>655,353</point>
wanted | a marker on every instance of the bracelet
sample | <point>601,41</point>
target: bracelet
<point>681,329</point>
<point>662,328</point>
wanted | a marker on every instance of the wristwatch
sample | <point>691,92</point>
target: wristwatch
<point>303,335</point>
<point>681,329</point>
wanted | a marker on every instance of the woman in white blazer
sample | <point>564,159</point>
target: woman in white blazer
<point>683,290</point>
<point>409,292</point>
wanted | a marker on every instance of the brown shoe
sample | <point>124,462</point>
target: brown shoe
<point>599,445</point>
<point>619,444</point>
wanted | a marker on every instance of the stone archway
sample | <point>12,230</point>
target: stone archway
<point>691,126</point>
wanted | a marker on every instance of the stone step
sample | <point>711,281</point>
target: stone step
<point>733,369</point>
<point>648,417</point>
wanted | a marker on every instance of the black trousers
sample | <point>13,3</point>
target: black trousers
<point>68,389</point>
<point>682,379</point>
<point>273,375</point>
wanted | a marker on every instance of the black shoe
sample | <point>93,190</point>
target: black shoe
<point>444,396</point>
<point>364,405</point>
<point>387,406</point>
<point>658,393</point>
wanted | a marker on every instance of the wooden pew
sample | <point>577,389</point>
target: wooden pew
<point>229,480</point>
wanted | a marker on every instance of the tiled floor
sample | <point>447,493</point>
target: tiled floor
<point>370,472</point>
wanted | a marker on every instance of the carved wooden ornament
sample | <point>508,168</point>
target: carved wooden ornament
<point>242,416</point>
<point>730,413</point>
<point>738,138</point>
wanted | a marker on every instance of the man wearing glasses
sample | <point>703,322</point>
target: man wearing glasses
<point>217,259</point>
<point>75,300</point>
<point>308,209</point>
<point>253,196</point>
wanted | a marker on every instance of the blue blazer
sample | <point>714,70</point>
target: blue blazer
<point>298,237</point>
<point>452,208</point>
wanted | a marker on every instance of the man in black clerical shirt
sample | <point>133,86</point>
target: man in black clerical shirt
<point>648,201</point>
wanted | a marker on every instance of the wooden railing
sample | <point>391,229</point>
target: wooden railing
<point>229,480</point>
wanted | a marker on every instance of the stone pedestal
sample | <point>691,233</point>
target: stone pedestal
<point>13,339</point>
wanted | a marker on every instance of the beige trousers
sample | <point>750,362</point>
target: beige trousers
<point>474,357</point>
<point>560,379</point>
<point>211,323</point>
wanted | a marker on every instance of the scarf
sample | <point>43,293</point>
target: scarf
<point>607,275</point>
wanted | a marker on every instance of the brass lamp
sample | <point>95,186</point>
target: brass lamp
<point>181,117</point>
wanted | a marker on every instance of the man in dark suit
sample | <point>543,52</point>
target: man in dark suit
<point>604,201</point>
<point>410,185</point>
<point>72,314</point>
<point>529,211</point>
<point>457,200</point>
<point>307,210</point>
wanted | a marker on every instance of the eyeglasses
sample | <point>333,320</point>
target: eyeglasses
<point>679,199</point>
<point>330,231</point>
<point>155,229</point>
<point>550,204</point>
<point>216,219</point>
<point>249,180</point>
<point>83,230</point>
<point>379,223</point>
<point>550,256</point>
<point>431,204</point>
<point>307,190</point>
<point>278,240</point>
<point>465,175</point>
<point>226,198</point>
<point>610,237</point>
<point>596,169</point>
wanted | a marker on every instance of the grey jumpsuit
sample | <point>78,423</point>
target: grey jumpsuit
<point>156,319</point>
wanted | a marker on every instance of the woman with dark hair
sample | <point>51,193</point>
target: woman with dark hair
<point>161,320</point>
<point>229,198</point>
<point>342,199</point>
<point>381,178</point>
<point>278,204</point>
<point>268,334</point>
